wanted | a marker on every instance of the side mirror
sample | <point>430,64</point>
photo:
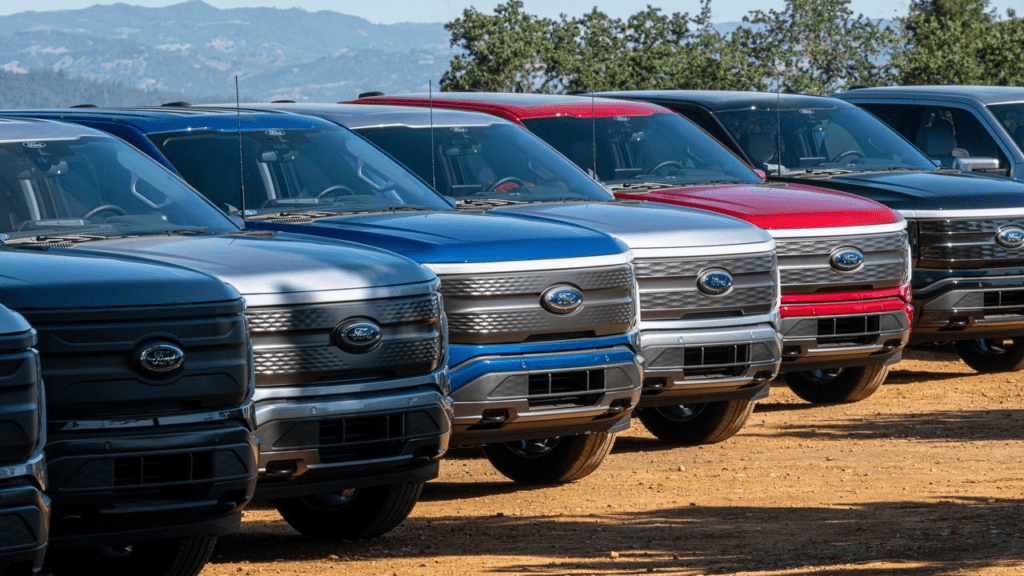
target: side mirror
<point>761,174</point>
<point>986,165</point>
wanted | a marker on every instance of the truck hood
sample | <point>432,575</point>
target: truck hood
<point>279,269</point>
<point>646,225</point>
<point>33,280</point>
<point>456,237</point>
<point>775,207</point>
<point>918,193</point>
<point>15,333</point>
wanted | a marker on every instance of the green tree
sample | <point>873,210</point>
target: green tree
<point>817,46</point>
<point>509,51</point>
<point>944,42</point>
<point>1002,52</point>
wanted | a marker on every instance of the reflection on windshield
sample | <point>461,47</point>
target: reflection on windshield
<point>653,148</point>
<point>841,138</point>
<point>97,186</point>
<point>1011,116</point>
<point>494,161</point>
<point>318,169</point>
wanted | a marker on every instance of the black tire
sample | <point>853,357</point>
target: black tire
<point>837,385</point>
<point>696,424</point>
<point>992,355</point>
<point>172,557</point>
<point>352,514</point>
<point>551,460</point>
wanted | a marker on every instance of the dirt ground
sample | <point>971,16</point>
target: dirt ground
<point>923,478</point>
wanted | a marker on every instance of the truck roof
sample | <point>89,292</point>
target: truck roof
<point>515,106</point>
<point>952,93</point>
<point>172,118</point>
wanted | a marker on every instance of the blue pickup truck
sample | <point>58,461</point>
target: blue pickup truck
<point>542,317</point>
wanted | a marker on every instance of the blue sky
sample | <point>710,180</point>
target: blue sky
<point>390,11</point>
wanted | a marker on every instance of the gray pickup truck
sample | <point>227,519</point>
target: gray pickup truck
<point>24,510</point>
<point>351,402</point>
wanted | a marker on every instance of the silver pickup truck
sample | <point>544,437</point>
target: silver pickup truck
<point>351,402</point>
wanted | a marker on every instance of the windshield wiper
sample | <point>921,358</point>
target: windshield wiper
<point>61,240</point>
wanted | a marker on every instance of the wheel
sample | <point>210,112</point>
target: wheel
<point>173,557</point>
<point>336,190</point>
<point>853,154</point>
<point>352,514</point>
<point>500,185</point>
<point>665,164</point>
<point>103,208</point>
<point>695,424</point>
<point>837,385</point>
<point>551,460</point>
<point>992,355</point>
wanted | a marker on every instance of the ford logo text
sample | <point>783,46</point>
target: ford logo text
<point>161,358</point>
<point>1010,237</point>
<point>846,259</point>
<point>714,282</point>
<point>562,299</point>
<point>358,336</point>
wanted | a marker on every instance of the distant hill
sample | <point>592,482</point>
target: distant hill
<point>49,89</point>
<point>196,49</point>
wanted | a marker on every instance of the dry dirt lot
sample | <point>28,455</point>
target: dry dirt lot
<point>924,478</point>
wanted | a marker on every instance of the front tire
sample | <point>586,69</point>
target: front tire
<point>171,557</point>
<point>992,355</point>
<point>696,424</point>
<point>551,460</point>
<point>837,385</point>
<point>352,514</point>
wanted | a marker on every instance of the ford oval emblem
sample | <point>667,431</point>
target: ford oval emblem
<point>846,259</point>
<point>161,358</point>
<point>714,282</point>
<point>1010,237</point>
<point>562,299</point>
<point>358,336</point>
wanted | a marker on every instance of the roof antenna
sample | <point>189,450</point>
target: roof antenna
<point>593,135</point>
<point>778,129</point>
<point>433,162</point>
<point>241,167</point>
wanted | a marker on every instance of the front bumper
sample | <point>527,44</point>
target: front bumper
<point>350,436</point>
<point>150,479</point>
<point>838,334</point>
<point>532,391</point>
<point>24,516</point>
<point>969,309</point>
<point>701,365</point>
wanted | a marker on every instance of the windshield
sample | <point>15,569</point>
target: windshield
<point>652,148</point>
<point>1011,116</point>
<point>96,186</point>
<point>321,168</point>
<point>496,161</point>
<point>839,137</point>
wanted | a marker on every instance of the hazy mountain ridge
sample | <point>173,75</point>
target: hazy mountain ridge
<point>196,49</point>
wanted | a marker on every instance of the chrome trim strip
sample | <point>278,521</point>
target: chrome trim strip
<point>727,250</point>
<point>571,264</point>
<point>838,231</point>
<point>34,467</point>
<point>950,214</point>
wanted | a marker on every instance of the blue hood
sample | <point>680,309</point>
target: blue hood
<point>927,191</point>
<point>455,237</point>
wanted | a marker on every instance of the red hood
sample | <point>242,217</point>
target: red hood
<point>774,207</point>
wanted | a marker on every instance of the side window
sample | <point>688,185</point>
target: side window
<point>887,113</point>
<point>949,133</point>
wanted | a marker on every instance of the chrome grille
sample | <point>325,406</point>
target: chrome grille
<point>804,264</point>
<point>668,287</point>
<point>295,346</point>
<point>505,307</point>
<point>966,243</point>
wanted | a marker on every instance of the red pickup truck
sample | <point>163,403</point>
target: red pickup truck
<point>843,260</point>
